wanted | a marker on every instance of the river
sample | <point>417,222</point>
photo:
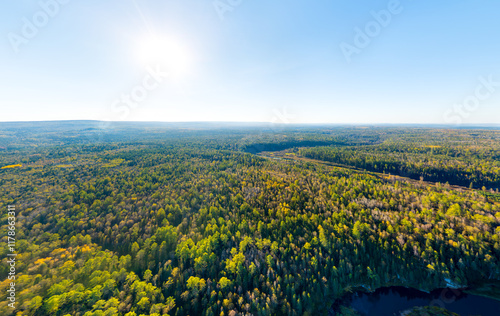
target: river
<point>393,300</point>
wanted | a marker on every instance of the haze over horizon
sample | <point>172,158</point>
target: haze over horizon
<point>369,62</point>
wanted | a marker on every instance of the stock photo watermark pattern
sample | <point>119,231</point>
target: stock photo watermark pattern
<point>222,7</point>
<point>139,93</point>
<point>31,27</point>
<point>11,255</point>
<point>280,118</point>
<point>123,106</point>
<point>364,36</point>
<point>160,195</point>
<point>485,89</point>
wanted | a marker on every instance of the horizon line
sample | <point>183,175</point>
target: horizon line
<point>264,122</point>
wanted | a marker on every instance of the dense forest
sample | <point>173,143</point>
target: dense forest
<point>188,220</point>
<point>466,161</point>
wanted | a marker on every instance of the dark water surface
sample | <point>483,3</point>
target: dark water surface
<point>393,300</point>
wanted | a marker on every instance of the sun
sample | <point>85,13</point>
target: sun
<point>165,52</point>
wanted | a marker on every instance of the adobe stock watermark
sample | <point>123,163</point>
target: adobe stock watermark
<point>363,36</point>
<point>460,111</point>
<point>282,116</point>
<point>447,296</point>
<point>127,102</point>
<point>49,9</point>
<point>11,255</point>
<point>224,6</point>
<point>279,118</point>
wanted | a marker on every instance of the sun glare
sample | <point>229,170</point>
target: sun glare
<point>165,52</point>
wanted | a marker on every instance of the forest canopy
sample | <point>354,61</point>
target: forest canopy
<point>251,220</point>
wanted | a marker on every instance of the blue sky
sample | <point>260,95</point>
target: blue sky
<point>283,61</point>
